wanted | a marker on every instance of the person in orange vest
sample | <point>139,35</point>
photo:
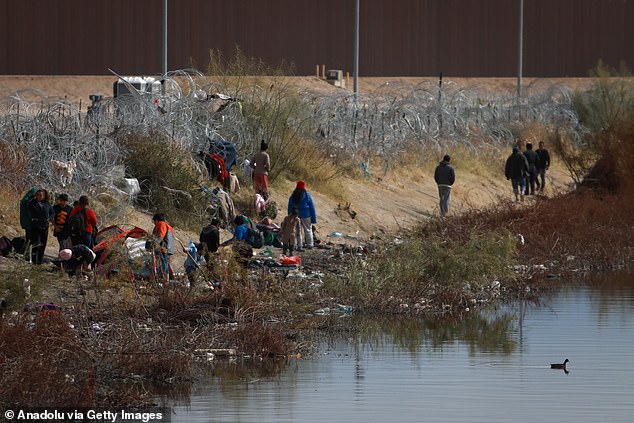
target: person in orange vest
<point>62,209</point>
<point>163,243</point>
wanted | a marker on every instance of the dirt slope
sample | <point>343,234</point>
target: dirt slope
<point>383,203</point>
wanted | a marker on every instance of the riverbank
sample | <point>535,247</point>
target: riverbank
<point>383,250</point>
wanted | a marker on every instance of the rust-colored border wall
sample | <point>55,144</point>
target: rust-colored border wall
<point>397,37</point>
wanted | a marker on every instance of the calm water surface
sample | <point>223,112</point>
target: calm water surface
<point>492,367</point>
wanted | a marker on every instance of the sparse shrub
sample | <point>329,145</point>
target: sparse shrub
<point>428,261</point>
<point>261,340</point>
<point>606,110</point>
<point>170,181</point>
<point>609,103</point>
<point>13,162</point>
<point>274,112</point>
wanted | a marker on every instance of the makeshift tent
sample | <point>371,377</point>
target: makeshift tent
<point>114,250</point>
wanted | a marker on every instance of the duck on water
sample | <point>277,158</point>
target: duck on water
<point>560,365</point>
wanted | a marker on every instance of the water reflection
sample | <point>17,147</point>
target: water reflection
<point>491,331</point>
<point>494,366</point>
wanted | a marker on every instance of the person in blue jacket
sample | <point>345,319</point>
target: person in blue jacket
<point>240,233</point>
<point>303,202</point>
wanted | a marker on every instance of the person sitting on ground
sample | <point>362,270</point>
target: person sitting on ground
<point>77,259</point>
<point>291,231</point>
<point>240,231</point>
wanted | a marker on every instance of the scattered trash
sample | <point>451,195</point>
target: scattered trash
<point>520,238</point>
<point>41,307</point>
<point>336,234</point>
<point>322,311</point>
<point>96,327</point>
<point>27,288</point>
<point>344,308</point>
<point>290,259</point>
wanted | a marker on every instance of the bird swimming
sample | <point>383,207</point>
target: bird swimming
<point>560,365</point>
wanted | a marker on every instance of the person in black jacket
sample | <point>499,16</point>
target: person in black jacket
<point>210,237</point>
<point>41,217</point>
<point>77,259</point>
<point>532,159</point>
<point>62,209</point>
<point>516,170</point>
<point>542,165</point>
<point>444,176</point>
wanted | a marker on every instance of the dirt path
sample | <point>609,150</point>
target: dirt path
<point>382,203</point>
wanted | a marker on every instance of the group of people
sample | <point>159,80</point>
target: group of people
<point>527,170</point>
<point>297,228</point>
<point>74,227</point>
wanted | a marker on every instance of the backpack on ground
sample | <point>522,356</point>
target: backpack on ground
<point>19,244</point>
<point>77,225</point>
<point>255,238</point>
<point>5,246</point>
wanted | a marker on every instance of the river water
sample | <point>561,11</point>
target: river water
<point>492,367</point>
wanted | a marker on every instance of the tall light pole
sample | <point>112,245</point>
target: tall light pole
<point>164,45</point>
<point>520,49</point>
<point>356,48</point>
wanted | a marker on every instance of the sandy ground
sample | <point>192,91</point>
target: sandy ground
<point>383,203</point>
<point>78,88</point>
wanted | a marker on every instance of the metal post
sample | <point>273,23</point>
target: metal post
<point>520,49</point>
<point>356,48</point>
<point>164,46</point>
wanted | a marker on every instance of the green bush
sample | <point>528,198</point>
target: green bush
<point>423,264</point>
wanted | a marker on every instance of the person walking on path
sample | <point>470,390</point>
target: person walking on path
<point>543,163</point>
<point>41,217</point>
<point>62,209</point>
<point>87,235</point>
<point>444,177</point>
<point>303,202</point>
<point>532,158</point>
<point>261,164</point>
<point>516,169</point>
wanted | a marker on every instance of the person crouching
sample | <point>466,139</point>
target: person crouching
<point>77,259</point>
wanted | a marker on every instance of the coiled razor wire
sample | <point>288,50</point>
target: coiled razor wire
<point>192,112</point>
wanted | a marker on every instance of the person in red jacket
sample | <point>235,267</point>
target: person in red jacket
<point>87,237</point>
